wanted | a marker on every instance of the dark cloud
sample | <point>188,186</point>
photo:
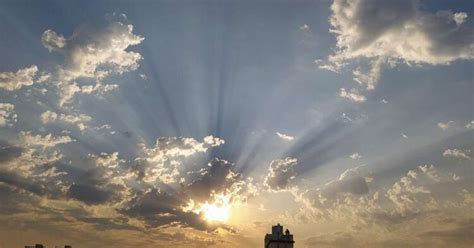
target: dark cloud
<point>158,208</point>
<point>338,239</point>
<point>280,174</point>
<point>216,177</point>
<point>89,194</point>
<point>8,152</point>
<point>462,235</point>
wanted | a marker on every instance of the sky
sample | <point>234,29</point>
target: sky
<point>204,123</point>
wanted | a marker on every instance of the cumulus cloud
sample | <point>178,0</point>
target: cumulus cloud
<point>90,48</point>
<point>15,80</point>
<point>285,136</point>
<point>430,171</point>
<point>7,114</point>
<point>218,177</point>
<point>184,206</point>
<point>352,94</point>
<point>355,156</point>
<point>213,141</point>
<point>161,162</point>
<point>281,173</point>
<point>93,52</point>
<point>78,120</point>
<point>390,32</point>
<point>457,153</point>
<point>348,189</point>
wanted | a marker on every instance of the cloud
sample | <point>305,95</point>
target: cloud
<point>446,125</point>
<point>46,141</point>
<point>338,239</point>
<point>350,181</point>
<point>161,162</point>
<point>456,177</point>
<point>405,194</point>
<point>218,177</point>
<point>89,48</point>
<point>89,194</point>
<point>355,156</point>
<point>348,191</point>
<point>7,114</point>
<point>430,171</point>
<point>285,136</point>
<point>15,80</point>
<point>470,125</point>
<point>101,181</point>
<point>390,32</point>
<point>78,120</point>
<point>462,234</point>
<point>280,174</point>
<point>457,153</point>
<point>185,206</point>
<point>158,208</point>
<point>352,95</point>
<point>213,141</point>
<point>93,52</point>
<point>304,27</point>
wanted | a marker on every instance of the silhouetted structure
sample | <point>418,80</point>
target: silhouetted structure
<point>278,239</point>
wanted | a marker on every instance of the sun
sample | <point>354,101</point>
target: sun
<point>216,212</point>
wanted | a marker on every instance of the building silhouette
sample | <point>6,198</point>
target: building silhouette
<point>278,239</point>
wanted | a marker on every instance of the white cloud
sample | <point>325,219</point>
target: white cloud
<point>470,125</point>
<point>355,156</point>
<point>459,17</point>
<point>456,177</point>
<point>213,141</point>
<point>280,174</point>
<point>446,125</point>
<point>46,141</point>
<point>304,27</point>
<point>89,48</point>
<point>457,153</point>
<point>399,30</point>
<point>352,95</point>
<point>7,114</point>
<point>369,79</point>
<point>405,195</point>
<point>285,136</point>
<point>161,162</point>
<point>93,53</point>
<point>396,31</point>
<point>15,80</point>
<point>430,171</point>
<point>78,120</point>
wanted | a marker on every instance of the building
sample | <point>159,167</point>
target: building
<point>278,239</point>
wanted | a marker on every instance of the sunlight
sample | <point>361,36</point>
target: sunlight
<point>214,212</point>
<point>217,211</point>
